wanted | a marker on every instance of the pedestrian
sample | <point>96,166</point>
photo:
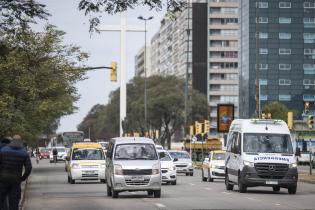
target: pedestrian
<point>5,141</point>
<point>55,153</point>
<point>13,158</point>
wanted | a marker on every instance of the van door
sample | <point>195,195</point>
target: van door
<point>235,157</point>
<point>229,155</point>
<point>109,162</point>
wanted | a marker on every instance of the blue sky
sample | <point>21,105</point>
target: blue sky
<point>102,48</point>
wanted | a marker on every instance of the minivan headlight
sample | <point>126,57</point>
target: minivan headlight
<point>172,168</point>
<point>75,166</point>
<point>248,163</point>
<point>155,169</point>
<point>118,169</point>
<point>292,165</point>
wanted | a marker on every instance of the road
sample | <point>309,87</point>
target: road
<point>48,190</point>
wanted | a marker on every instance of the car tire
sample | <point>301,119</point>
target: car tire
<point>150,193</point>
<point>68,179</point>
<point>174,182</point>
<point>72,181</point>
<point>209,179</point>
<point>187,174</point>
<point>242,188</point>
<point>157,193</point>
<point>203,178</point>
<point>103,180</point>
<point>192,174</point>
<point>276,188</point>
<point>292,190</point>
<point>109,191</point>
<point>228,185</point>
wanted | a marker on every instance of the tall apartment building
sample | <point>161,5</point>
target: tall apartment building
<point>284,53</point>
<point>223,68</point>
<point>139,62</point>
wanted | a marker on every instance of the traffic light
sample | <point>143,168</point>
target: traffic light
<point>113,72</point>
<point>290,120</point>
<point>191,130</point>
<point>310,121</point>
<point>198,127</point>
<point>207,126</point>
<point>306,107</point>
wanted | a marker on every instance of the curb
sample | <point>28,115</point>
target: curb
<point>307,181</point>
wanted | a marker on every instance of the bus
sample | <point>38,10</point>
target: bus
<point>66,139</point>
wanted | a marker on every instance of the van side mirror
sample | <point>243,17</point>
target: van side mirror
<point>298,152</point>
<point>175,159</point>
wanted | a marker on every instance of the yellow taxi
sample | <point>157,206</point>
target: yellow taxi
<point>213,166</point>
<point>86,161</point>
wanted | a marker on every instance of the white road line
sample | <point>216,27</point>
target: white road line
<point>277,204</point>
<point>226,193</point>
<point>208,188</point>
<point>192,184</point>
<point>253,199</point>
<point>159,205</point>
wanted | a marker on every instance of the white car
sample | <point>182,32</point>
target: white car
<point>213,166</point>
<point>184,164</point>
<point>61,156</point>
<point>167,167</point>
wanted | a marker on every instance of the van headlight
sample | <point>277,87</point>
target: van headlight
<point>118,169</point>
<point>189,164</point>
<point>103,165</point>
<point>155,169</point>
<point>292,165</point>
<point>248,163</point>
<point>172,168</point>
<point>75,166</point>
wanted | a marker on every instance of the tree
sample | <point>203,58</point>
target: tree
<point>37,79</point>
<point>278,110</point>
<point>116,6</point>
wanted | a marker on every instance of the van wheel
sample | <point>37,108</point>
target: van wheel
<point>204,179</point>
<point>192,174</point>
<point>187,174</point>
<point>150,193</point>
<point>103,180</point>
<point>241,187</point>
<point>109,191</point>
<point>114,193</point>
<point>72,181</point>
<point>228,186</point>
<point>157,193</point>
<point>68,179</point>
<point>292,190</point>
<point>276,188</point>
<point>209,176</point>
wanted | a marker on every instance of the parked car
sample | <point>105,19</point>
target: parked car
<point>213,166</point>
<point>168,167</point>
<point>61,156</point>
<point>184,164</point>
<point>44,153</point>
<point>132,164</point>
<point>86,161</point>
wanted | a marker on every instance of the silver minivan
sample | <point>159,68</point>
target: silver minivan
<point>132,164</point>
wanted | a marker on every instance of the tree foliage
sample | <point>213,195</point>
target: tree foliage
<point>37,78</point>
<point>278,110</point>
<point>165,105</point>
<point>97,7</point>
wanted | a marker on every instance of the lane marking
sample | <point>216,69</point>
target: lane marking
<point>159,205</point>
<point>277,204</point>
<point>192,184</point>
<point>226,193</point>
<point>253,199</point>
<point>208,188</point>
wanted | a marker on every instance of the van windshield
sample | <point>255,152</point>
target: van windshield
<point>180,155</point>
<point>88,154</point>
<point>218,156</point>
<point>267,143</point>
<point>135,152</point>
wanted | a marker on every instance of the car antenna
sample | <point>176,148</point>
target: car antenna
<point>266,128</point>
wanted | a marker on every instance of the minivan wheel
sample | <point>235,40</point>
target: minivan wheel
<point>157,193</point>
<point>292,190</point>
<point>174,182</point>
<point>276,188</point>
<point>209,176</point>
<point>241,187</point>
<point>109,191</point>
<point>103,180</point>
<point>204,179</point>
<point>72,181</point>
<point>187,174</point>
<point>114,193</point>
<point>192,174</point>
<point>228,186</point>
<point>150,193</point>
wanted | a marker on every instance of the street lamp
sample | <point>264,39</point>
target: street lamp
<point>145,68</point>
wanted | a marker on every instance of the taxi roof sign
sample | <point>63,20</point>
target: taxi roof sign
<point>79,145</point>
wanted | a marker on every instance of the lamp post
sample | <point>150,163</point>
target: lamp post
<point>145,69</point>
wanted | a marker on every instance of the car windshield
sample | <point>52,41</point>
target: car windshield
<point>218,156</point>
<point>180,155</point>
<point>267,143</point>
<point>88,154</point>
<point>135,152</point>
<point>166,157</point>
<point>61,149</point>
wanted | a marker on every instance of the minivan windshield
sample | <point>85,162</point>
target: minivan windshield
<point>165,157</point>
<point>88,154</point>
<point>180,155</point>
<point>267,143</point>
<point>61,149</point>
<point>135,152</point>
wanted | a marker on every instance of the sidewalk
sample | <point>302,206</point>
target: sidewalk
<point>305,177</point>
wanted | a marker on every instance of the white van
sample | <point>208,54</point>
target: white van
<point>260,153</point>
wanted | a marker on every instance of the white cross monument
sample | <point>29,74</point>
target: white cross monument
<point>123,28</point>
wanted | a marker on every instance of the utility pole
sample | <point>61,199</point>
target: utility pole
<point>187,67</point>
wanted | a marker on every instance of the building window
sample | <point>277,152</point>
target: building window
<point>284,35</point>
<point>263,97</point>
<point>284,51</point>
<point>309,68</point>
<point>284,4</point>
<point>263,35</point>
<point>284,20</point>
<point>263,51</point>
<point>284,82</point>
<point>309,22</point>
<point>308,82</point>
<point>284,97</point>
<point>309,4</point>
<point>262,20</point>
<point>309,54</point>
<point>308,98</point>
<point>262,5</point>
<point>284,66</point>
<point>309,37</point>
<point>263,66</point>
<point>263,82</point>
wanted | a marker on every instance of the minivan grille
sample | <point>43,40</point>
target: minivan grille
<point>271,170</point>
<point>137,172</point>
<point>131,182</point>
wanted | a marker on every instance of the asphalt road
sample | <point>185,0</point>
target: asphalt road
<point>48,190</point>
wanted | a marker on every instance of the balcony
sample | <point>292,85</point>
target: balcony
<point>222,71</point>
<point>215,81</point>
<point>219,59</point>
<point>219,48</point>
<point>223,93</point>
<point>223,15</point>
<point>223,37</point>
<point>223,26</point>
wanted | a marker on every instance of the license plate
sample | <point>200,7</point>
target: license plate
<point>272,182</point>
<point>137,178</point>
<point>90,172</point>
